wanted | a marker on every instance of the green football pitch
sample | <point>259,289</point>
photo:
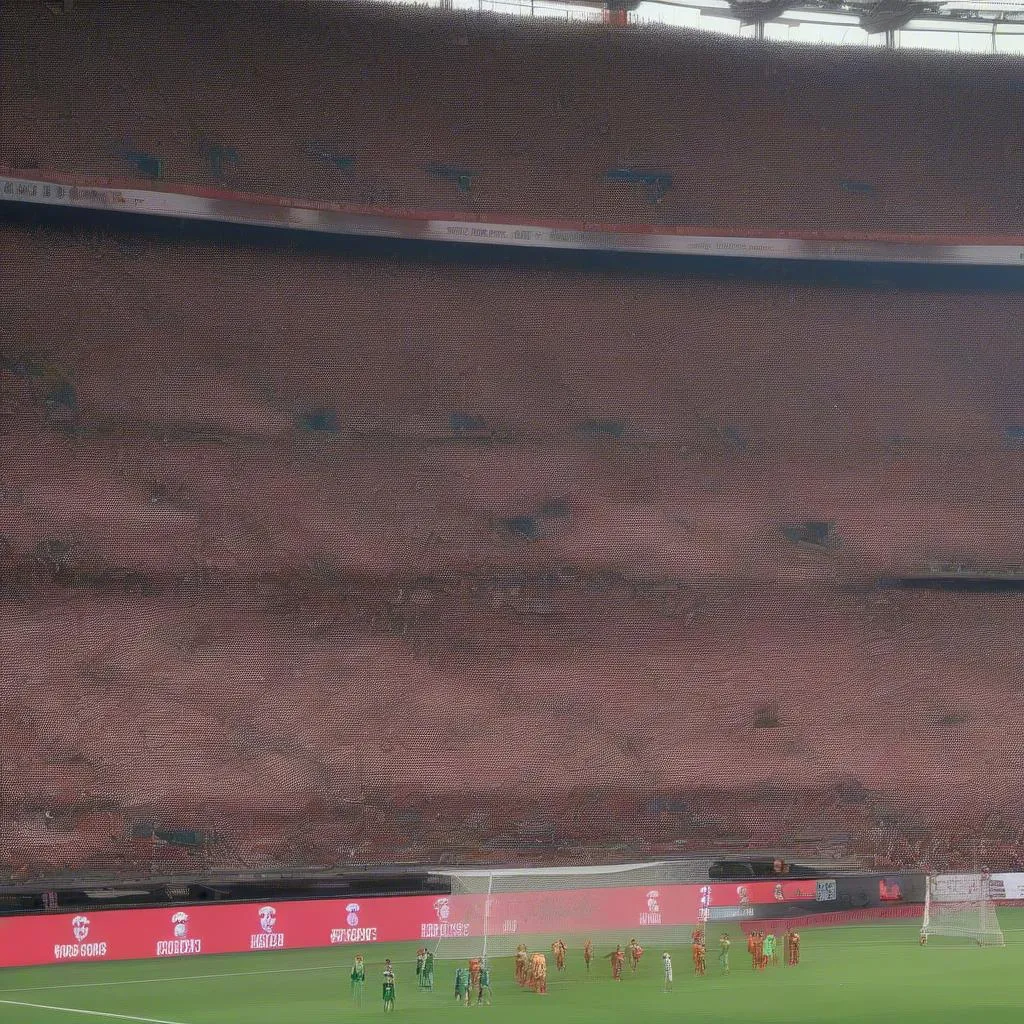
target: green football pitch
<point>868,973</point>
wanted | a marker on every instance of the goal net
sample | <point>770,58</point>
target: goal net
<point>961,906</point>
<point>489,913</point>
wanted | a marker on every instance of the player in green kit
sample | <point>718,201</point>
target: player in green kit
<point>389,986</point>
<point>769,949</point>
<point>421,955</point>
<point>358,978</point>
<point>483,996</point>
<point>462,985</point>
<point>723,953</point>
<point>427,974</point>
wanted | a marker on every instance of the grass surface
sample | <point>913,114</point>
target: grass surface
<point>874,973</point>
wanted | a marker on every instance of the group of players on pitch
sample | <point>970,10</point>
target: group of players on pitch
<point>763,950</point>
<point>358,977</point>
<point>473,983</point>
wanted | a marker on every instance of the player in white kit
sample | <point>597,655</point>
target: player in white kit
<point>667,963</point>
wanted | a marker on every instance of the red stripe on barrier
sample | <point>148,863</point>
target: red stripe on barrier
<point>391,212</point>
<point>838,918</point>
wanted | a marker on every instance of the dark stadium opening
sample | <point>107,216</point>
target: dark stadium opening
<point>965,584</point>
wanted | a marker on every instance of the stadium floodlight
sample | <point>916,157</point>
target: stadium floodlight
<point>961,907</point>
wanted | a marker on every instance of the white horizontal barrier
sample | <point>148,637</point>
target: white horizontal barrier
<point>206,204</point>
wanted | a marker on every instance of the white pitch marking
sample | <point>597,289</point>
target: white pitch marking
<point>88,1013</point>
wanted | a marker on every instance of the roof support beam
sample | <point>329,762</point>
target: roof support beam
<point>757,12</point>
<point>891,15</point>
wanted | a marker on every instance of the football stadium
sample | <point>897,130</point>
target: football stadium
<point>512,505</point>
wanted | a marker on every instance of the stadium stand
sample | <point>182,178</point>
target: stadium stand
<point>410,108</point>
<point>313,558</point>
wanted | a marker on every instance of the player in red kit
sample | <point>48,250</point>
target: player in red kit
<point>762,960</point>
<point>558,949</point>
<point>699,958</point>
<point>618,959</point>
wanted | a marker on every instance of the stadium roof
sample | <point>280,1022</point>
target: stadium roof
<point>966,26</point>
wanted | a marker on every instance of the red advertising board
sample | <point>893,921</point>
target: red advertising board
<point>241,927</point>
<point>235,928</point>
<point>581,910</point>
<point>742,894</point>
<point>193,930</point>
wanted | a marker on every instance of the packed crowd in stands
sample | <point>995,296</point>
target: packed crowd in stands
<point>314,559</point>
<point>409,108</point>
<point>268,579</point>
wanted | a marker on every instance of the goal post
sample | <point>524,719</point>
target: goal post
<point>490,913</point>
<point>961,907</point>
